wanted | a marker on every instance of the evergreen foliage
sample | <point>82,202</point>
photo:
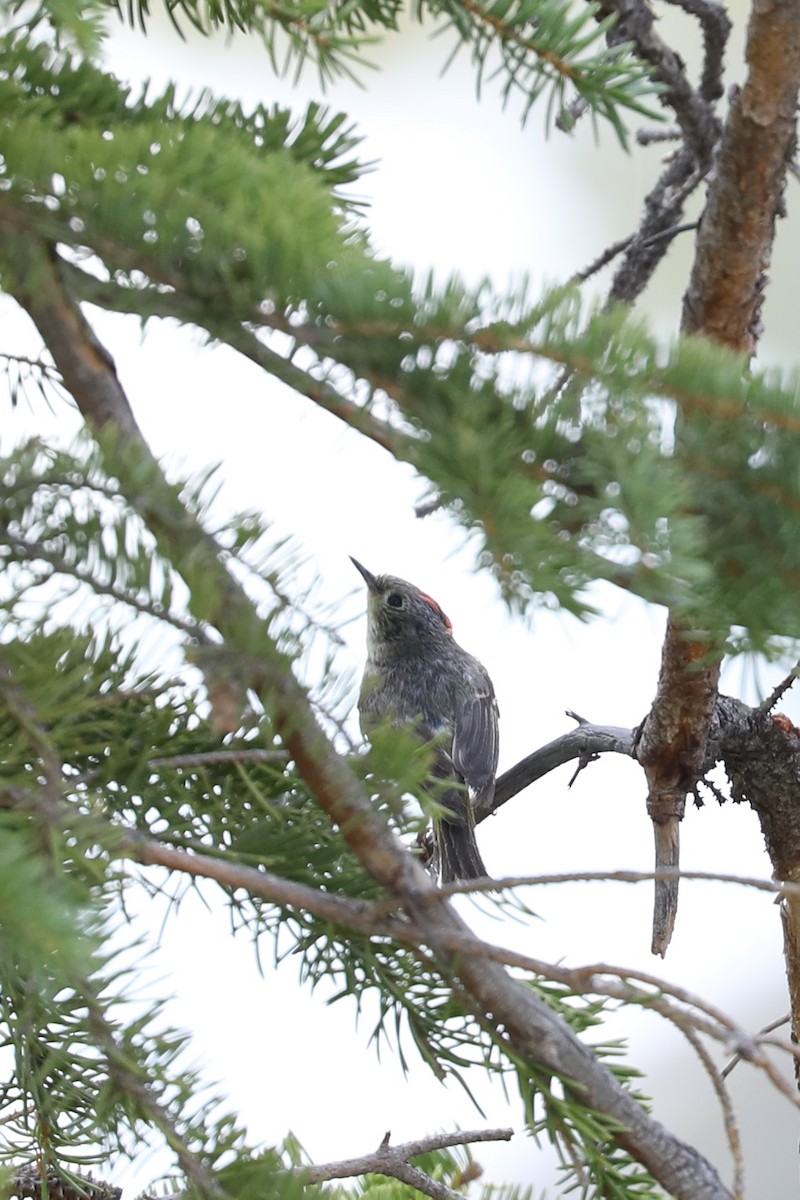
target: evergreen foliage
<point>125,754</point>
<point>547,427</point>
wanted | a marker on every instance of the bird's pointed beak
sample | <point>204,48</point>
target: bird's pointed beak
<point>368,577</point>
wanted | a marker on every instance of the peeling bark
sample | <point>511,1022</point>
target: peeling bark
<point>761,754</point>
<point>734,244</point>
<point>722,302</point>
<point>672,750</point>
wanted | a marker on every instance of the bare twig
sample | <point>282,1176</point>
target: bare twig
<point>728,1115</point>
<point>650,137</point>
<point>783,687</point>
<point>716,26</point>
<point>699,126</point>
<point>625,243</point>
<point>513,882</point>
<point>585,741</point>
<point>211,758</point>
<point>602,260</point>
<point>395,1161</point>
<point>773,1025</point>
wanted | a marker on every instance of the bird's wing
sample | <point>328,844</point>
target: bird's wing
<point>475,742</point>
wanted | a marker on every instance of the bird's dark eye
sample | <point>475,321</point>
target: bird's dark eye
<point>394,600</point>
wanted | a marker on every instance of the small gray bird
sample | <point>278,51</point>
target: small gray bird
<point>417,674</point>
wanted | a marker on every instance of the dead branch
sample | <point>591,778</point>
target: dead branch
<point>584,742</point>
<point>233,332</point>
<point>395,1161</point>
<point>770,1028</point>
<point>732,1132</point>
<point>699,128</point>
<point>672,749</point>
<point>27,1183</point>
<point>768,782</point>
<point>780,690</point>
<point>715,26</point>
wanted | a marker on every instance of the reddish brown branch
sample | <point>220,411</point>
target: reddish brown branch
<point>86,367</point>
<point>672,750</point>
<point>734,244</point>
<point>722,302</point>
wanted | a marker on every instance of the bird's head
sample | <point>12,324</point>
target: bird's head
<point>399,615</point>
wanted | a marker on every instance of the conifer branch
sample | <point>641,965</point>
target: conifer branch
<point>532,1030</point>
<point>144,302</point>
<point>20,370</point>
<point>86,367</point>
<point>318,35</point>
<point>378,920</point>
<point>357,915</point>
<point>534,53</point>
<point>375,919</point>
<point>57,564</point>
<point>688,720</point>
<point>46,803</point>
<point>130,1082</point>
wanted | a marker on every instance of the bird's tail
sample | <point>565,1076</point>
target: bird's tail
<point>458,853</point>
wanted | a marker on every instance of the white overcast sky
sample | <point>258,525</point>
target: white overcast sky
<point>459,186</point>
